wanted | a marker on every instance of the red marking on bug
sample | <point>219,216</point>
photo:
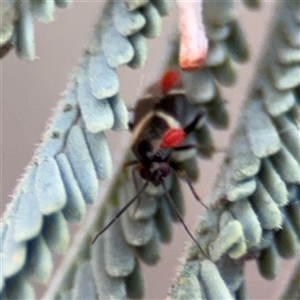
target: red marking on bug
<point>172,137</point>
<point>168,80</point>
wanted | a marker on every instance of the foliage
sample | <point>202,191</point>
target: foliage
<point>254,207</point>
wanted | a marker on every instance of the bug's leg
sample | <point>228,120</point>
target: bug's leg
<point>194,192</point>
<point>130,109</point>
<point>187,147</point>
<point>133,172</point>
<point>130,163</point>
<point>171,203</point>
<point>193,124</point>
<point>183,174</point>
<point>130,126</point>
<point>184,147</point>
<point>119,214</point>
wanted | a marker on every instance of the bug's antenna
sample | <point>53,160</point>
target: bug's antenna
<point>179,216</point>
<point>118,215</point>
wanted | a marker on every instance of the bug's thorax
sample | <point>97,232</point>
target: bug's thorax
<point>154,136</point>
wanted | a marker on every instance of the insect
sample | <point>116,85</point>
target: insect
<point>161,122</point>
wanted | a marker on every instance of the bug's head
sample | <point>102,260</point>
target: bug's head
<point>155,172</point>
<point>155,165</point>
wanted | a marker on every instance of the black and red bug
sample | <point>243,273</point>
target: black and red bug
<point>161,122</point>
